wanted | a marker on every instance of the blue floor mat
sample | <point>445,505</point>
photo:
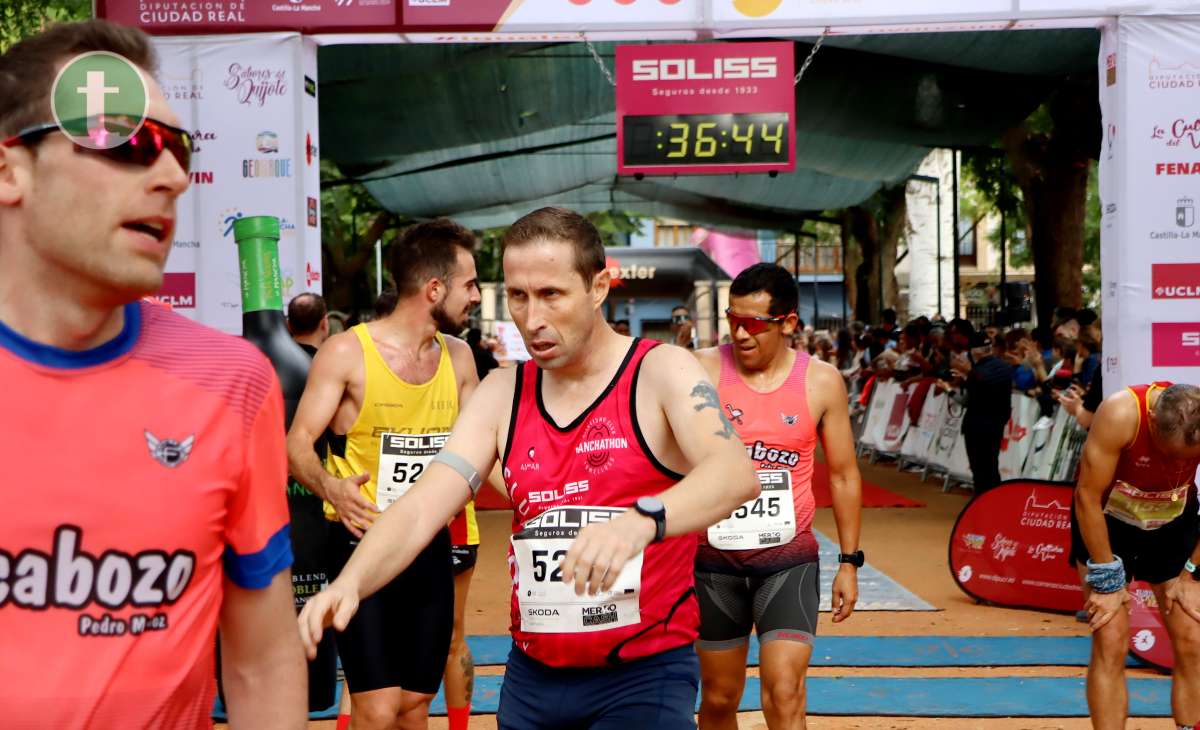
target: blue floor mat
<point>899,696</point>
<point>895,651</point>
<point>924,697</point>
<point>876,590</point>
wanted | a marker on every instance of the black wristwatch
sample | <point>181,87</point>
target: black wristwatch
<point>653,508</point>
<point>855,558</point>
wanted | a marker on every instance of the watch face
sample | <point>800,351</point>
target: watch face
<point>650,504</point>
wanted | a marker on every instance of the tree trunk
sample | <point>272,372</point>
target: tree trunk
<point>877,239</point>
<point>864,229</point>
<point>346,288</point>
<point>1052,172</point>
<point>851,258</point>
<point>895,220</point>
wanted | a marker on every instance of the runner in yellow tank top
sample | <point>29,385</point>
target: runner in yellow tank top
<point>390,391</point>
<point>414,417</point>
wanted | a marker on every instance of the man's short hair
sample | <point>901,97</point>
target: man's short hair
<point>305,312</point>
<point>678,307</point>
<point>889,316</point>
<point>1014,337</point>
<point>428,251</point>
<point>961,326</point>
<point>28,69</point>
<point>560,224</point>
<point>1177,413</point>
<point>775,280</point>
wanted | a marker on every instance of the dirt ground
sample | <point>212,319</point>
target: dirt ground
<point>908,544</point>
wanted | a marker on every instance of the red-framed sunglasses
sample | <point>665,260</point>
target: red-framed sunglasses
<point>142,148</point>
<point>753,325</point>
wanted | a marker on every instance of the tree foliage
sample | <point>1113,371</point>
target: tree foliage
<point>22,18</point>
<point>1042,175</point>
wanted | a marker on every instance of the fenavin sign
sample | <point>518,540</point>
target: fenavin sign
<point>706,108</point>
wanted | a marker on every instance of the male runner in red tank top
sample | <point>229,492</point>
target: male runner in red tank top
<point>1135,516</point>
<point>614,451</point>
<point>759,567</point>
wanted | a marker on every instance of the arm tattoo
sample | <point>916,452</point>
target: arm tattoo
<point>708,399</point>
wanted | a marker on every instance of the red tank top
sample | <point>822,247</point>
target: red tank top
<point>598,460</point>
<point>779,434</point>
<point>1142,465</point>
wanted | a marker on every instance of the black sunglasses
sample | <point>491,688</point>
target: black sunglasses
<point>141,148</point>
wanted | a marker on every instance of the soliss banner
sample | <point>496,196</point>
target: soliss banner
<point>1010,547</point>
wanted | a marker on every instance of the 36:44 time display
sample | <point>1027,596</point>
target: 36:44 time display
<point>706,139</point>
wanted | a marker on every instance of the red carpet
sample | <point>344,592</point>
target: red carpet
<point>873,495</point>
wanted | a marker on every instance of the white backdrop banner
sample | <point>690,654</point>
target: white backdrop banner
<point>250,100</point>
<point>1018,435</point>
<point>1150,180</point>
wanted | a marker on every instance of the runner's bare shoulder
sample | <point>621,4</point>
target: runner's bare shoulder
<point>710,358</point>
<point>338,356</point>
<point>1116,421</point>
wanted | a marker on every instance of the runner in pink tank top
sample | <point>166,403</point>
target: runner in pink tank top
<point>758,567</point>
<point>780,437</point>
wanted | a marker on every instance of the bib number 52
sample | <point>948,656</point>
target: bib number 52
<point>541,565</point>
<point>402,474</point>
<point>763,507</point>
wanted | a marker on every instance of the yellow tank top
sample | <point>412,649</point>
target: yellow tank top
<point>400,424</point>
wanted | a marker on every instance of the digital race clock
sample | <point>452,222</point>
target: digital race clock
<point>707,139</point>
<point>705,108</point>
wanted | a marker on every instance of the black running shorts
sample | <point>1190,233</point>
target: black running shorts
<point>463,557</point>
<point>1155,556</point>
<point>782,606</point>
<point>400,637</point>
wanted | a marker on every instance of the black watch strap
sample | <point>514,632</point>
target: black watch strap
<point>856,558</point>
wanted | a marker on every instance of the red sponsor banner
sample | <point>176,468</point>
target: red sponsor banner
<point>164,17</point>
<point>1175,344</point>
<point>1148,639</point>
<point>1175,281</point>
<point>706,108</point>
<point>895,424</point>
<point>1011,545</point>
<point>178,290</point>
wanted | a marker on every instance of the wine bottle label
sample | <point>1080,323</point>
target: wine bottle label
<point>261,284</point>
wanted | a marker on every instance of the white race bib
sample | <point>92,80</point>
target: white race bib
<point>403,458</point>
<point>765,521</point>
<point>550,606</point>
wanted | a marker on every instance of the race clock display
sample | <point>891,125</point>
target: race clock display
<point>707,139</point>
<point>706,108</point>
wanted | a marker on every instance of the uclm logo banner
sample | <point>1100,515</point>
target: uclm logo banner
<point>178,290</point>
<point>1011,545</point>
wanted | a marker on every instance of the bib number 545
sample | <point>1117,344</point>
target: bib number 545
<point>768,506</point>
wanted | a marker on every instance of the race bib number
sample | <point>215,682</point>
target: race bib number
<point>1145,510</point>
<point>765,521</point>
<point>550,606</point>
<point>403,458</point>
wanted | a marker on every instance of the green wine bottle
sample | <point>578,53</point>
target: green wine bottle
<point>264,325</point>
